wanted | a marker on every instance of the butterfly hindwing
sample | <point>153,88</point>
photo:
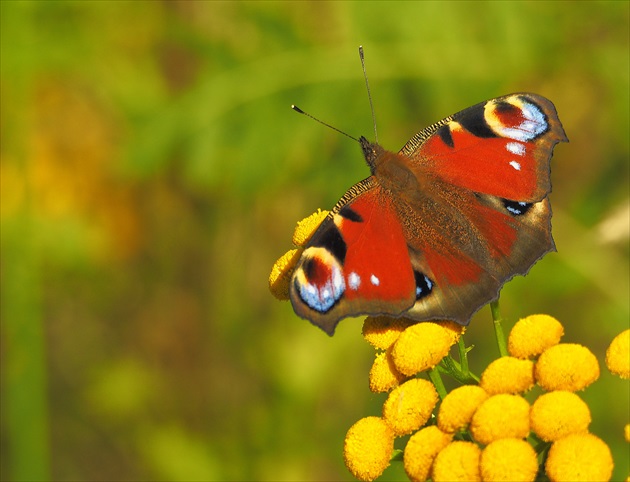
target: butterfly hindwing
<point>468,271</point>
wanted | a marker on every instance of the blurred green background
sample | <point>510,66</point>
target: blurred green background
<point>152,172</point>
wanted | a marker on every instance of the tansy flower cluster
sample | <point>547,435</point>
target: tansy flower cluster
<point>487,431</point>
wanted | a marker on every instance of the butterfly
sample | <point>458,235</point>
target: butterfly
<point>438,227</point>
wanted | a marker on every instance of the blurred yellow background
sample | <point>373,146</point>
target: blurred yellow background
<point>152,172</point>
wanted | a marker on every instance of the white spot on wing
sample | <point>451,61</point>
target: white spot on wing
<point>515,165</point>
<point>516,148</point>
<point>374,280</point>
<point>354,281</point>
<point>337,279</point>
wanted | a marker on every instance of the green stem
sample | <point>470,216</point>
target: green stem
<point>539,446</point>
<point>498,327</point>
<point>452,368</point>
<point>463,356</point>
<point>436,379</point>
<point>24,398</point>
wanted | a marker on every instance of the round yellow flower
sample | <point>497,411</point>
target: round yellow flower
<point>532,335</point>
<point>368,448</point>
<point>420,347</point>
<point>500,416</point>
<point>509,459</point>
<point>307,226</point>
<point>557,414</point>
<point>579,457</point>
<point>508,375</point>
<point>409,406</point>
<point>457,461</point>
<point>626,432</point>
<point>281,273</point>
<point>383,375</point>
<point>421,450</point>
<point>566,366</point>
<point>618,355</point>
<point>454,330</point>
<point>458,407</point>
<point>382,331</point>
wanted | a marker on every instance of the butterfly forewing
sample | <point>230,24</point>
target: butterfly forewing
<point>500,147</point>
<point>357,262</point>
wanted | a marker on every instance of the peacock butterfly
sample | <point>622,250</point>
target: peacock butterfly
<point>437,228</point>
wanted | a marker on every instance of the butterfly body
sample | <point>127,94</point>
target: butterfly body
<point>439,226</point>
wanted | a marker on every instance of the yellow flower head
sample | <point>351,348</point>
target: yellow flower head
<point>307,226</point>
<point>508,375</point>
<point>532,335</point>
<point>281,273</point>
<point>457,461</point>
<point>500,416</point>
<point>566,366</point>
<point>368,448</point>
<point>626,432</point>
<point>580,456</point>
<point>557,414</point>
<point>421,450</point>
<point>458,407</point>
<point>454,330</point>
<point>420,347</point>
<point>382,331</point>
<point>510,460</point>
<point>618,355</point>
<point>383,375</point>
<point>409,406</point>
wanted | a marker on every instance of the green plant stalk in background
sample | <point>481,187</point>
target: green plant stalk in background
<point>24,397</point>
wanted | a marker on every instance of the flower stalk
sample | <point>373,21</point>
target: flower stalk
<point>498,327</point>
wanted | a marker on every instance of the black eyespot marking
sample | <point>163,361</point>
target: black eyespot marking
<point>332,240</point>
<point>309,268</point>
<point>474,121</point>
<point>505,107</point>
<point>424,285</point>
<point>350,214</point>
<point>516,208</point>
<point>445,134</point>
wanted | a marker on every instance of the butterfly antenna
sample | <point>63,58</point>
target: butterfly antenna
<point>367,85</point>
<point>297,109</point>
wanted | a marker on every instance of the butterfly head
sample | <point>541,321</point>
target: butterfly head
<point>371,151</point>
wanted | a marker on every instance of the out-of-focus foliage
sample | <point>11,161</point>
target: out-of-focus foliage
<point>152,171</point>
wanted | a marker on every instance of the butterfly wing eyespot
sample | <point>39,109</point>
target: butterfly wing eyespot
<point>424,285</point>
<point>516,208</point>
<point>318,281</point>
<point>518,118</point>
